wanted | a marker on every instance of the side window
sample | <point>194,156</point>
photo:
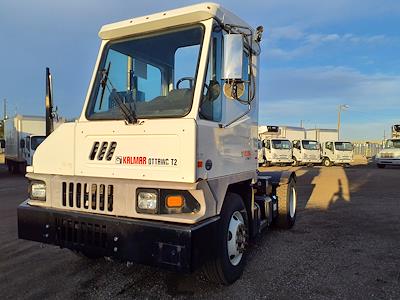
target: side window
<point>183,72</point>
<point>211,104</point>
<point>28,143</point>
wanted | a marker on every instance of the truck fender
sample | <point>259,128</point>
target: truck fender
<point>279,178</point>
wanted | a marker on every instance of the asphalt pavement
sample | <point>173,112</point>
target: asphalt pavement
<point>344,245</point>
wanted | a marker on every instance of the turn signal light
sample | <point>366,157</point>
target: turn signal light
<point>174,201</point>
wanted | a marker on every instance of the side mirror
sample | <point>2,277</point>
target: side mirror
<point>22,143</point>
<point>233,57</point>
<point>2,144</point>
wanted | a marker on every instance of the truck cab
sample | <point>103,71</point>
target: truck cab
<point>28,146</point>
<point>336,152</point>
<point>278,151</point>
<point>306,152</point>
<point>185,79</point>
<point>390,154</point>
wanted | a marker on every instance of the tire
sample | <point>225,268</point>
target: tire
<point>327,162</point>
<point>295,163</point>
<point>380,166</point>
<point>225,269</point>
<point>287,203</point>
<point>267,163</point>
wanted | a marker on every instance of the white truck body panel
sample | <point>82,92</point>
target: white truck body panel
<point>20,128</point>
<point>322,135</point>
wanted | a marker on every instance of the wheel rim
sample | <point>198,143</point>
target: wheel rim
<point>326,162</point>
<point>236,240</point>
<point>292,202</point>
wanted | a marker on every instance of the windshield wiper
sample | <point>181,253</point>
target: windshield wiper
<point>127,111</point>
<point>103,82</point>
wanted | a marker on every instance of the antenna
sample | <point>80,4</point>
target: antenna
<point>49,103</point>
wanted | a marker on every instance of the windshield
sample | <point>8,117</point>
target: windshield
<point>310,145</point>
<point>343,146</point>
<point>36,141</point>
<point>149,76</point>
<point>393,144</point>
<point>281,144</point>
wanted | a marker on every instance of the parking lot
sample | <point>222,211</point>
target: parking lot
<point>345,244</point>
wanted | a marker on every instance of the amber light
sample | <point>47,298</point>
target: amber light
<point>174,201</point>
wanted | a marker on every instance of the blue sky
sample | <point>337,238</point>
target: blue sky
<point>316,55</point>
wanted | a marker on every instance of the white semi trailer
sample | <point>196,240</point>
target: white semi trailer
<point>186,79</point>
<point>23,134</point>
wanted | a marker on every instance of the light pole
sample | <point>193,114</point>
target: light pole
<point>340,108</point>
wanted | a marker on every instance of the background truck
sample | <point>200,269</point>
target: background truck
<point>336,152</point>
<point>390,154</point>
<point>306,152</point>
<point>277,151</point>
<point>23,134</point>
<point>185,79</point>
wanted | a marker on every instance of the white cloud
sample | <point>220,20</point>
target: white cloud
<point>307,43</point>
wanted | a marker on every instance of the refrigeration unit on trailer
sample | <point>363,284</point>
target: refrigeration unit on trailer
<point>23,134</point>
<point>161,166</point>
<point>306,152</point>
<point>337,152</point>
<point>396,131</point>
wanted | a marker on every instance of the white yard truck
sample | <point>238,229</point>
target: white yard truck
<point>390,154</point>
<point>337,152</point>
<point>306,152</point>
<point>23,134</point>
<point>186,79</point>
<point>277,151</point>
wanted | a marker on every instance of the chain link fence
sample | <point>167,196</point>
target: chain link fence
<point>367,149</point>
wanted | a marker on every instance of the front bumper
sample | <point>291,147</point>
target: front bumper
<point>176,247</point>
<point>388,161</point>
<point>281,160</point>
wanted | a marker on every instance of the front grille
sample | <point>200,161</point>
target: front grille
<point>81,233</point>
<point>97,197</point>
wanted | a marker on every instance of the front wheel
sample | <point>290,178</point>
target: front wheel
<point>295,162</point>
<point>287,204</point>
<point>232,242</point>
<point>326,162</point>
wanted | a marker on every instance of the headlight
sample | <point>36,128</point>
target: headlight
<point>37,190</point>
<point>147,201</point>
<point>155,201</point>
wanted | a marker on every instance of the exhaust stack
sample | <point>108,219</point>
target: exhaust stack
<point>49,103</point>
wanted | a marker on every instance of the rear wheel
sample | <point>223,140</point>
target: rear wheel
<point>380,166</point>
<point>327,162</point>
<point>295,162</point>
<point>287,205</point>
<point>232,242</point>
